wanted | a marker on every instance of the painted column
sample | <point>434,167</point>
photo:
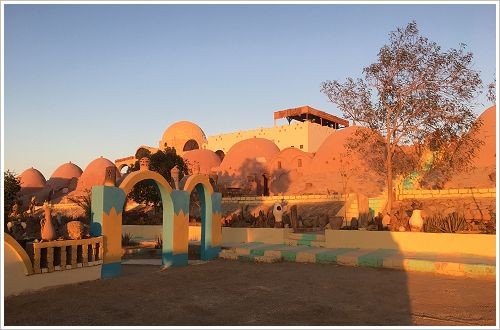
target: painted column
<point>216,225</point>
<point>107,207</point>
<point>178,253</point>
<point>206,221</point>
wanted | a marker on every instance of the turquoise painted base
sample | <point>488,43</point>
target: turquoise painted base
<point>180,260</point>
<point>174,260</point>
<point>210,253</point>
<point>111,270</point>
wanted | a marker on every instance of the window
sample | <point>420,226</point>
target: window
<point>301,146</point>
<point>279,164</point>
<point>190,145</point>
<point>299,162</point>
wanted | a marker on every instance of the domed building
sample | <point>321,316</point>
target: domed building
<point>183,136</point>
<point>33,184</point>
<point>65,176</point>
<point>246,166</point>
<point>334,168</point>
<point>94,174</point>
<point>286,167</point>
<point>247,154</point>
<point>201,161</point>
<point>32,178</point>
<point>483,173</point>
<point>307,128</point>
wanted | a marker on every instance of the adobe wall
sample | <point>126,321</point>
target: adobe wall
<point>477,244</point>
<point>307,134</point>
<point>244,235</point>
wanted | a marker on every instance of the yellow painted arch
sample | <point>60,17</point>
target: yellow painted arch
<point>20,251</point>
<point>133,178</point>
<point>196,179</point>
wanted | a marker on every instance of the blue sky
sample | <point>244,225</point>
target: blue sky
<point>83,81</point>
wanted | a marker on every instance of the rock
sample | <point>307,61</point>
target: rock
<point>386,220</point>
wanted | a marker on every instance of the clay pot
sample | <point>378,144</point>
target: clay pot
<point>416,220</point>
<point>278,212</point>
<point>47,229</point>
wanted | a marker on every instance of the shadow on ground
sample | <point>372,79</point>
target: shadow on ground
<point>243,293</point>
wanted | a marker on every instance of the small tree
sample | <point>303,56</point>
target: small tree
<point>161,162</point>
<point>414,95</point>
<point>12,186</point>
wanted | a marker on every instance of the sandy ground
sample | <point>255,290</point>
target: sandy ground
<point>243,293</point>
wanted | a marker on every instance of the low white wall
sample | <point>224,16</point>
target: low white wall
<point>476,244</point>
<point>244,235</point>
<point>16,280</point>
<point>150,232</point>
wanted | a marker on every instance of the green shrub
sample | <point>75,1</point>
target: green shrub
<point>127,240</point>
<point>445,224</point>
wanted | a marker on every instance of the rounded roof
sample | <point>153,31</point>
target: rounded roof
<point>288,157</point>
<point>205,158</point>
<point>292,152</point>
<point>255,149</point>
<point>336,143</point>
<point>486,155</point>
<point>94,173</point>
<point>177,134</point>
<point>67,171</point>
<point>489,120</point>
<point>32,178</point>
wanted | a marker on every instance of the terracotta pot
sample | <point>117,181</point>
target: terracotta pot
<point>416,221</point>
<point>47,229</point>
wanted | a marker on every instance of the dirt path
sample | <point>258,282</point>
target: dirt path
<point>243,293</point>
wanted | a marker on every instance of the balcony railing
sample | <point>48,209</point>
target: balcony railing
<point>61,255</point>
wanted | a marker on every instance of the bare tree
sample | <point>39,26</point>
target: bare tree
<point>416,97</point>
<point>492,96</point>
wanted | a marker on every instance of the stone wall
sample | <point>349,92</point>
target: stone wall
<point>474,204</point>
<point>309,207</point>
<point>447,193</point>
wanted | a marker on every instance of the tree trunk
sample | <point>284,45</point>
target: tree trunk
<point>389,181</point>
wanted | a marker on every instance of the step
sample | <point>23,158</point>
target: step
<point>307,237</point>
<point>293,242</point>
<point>228,255</point>
<point>245,255</point>
<point>267,259</point>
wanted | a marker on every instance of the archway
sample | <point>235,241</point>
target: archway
<point>210,214</point>
<point>107,209</point>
